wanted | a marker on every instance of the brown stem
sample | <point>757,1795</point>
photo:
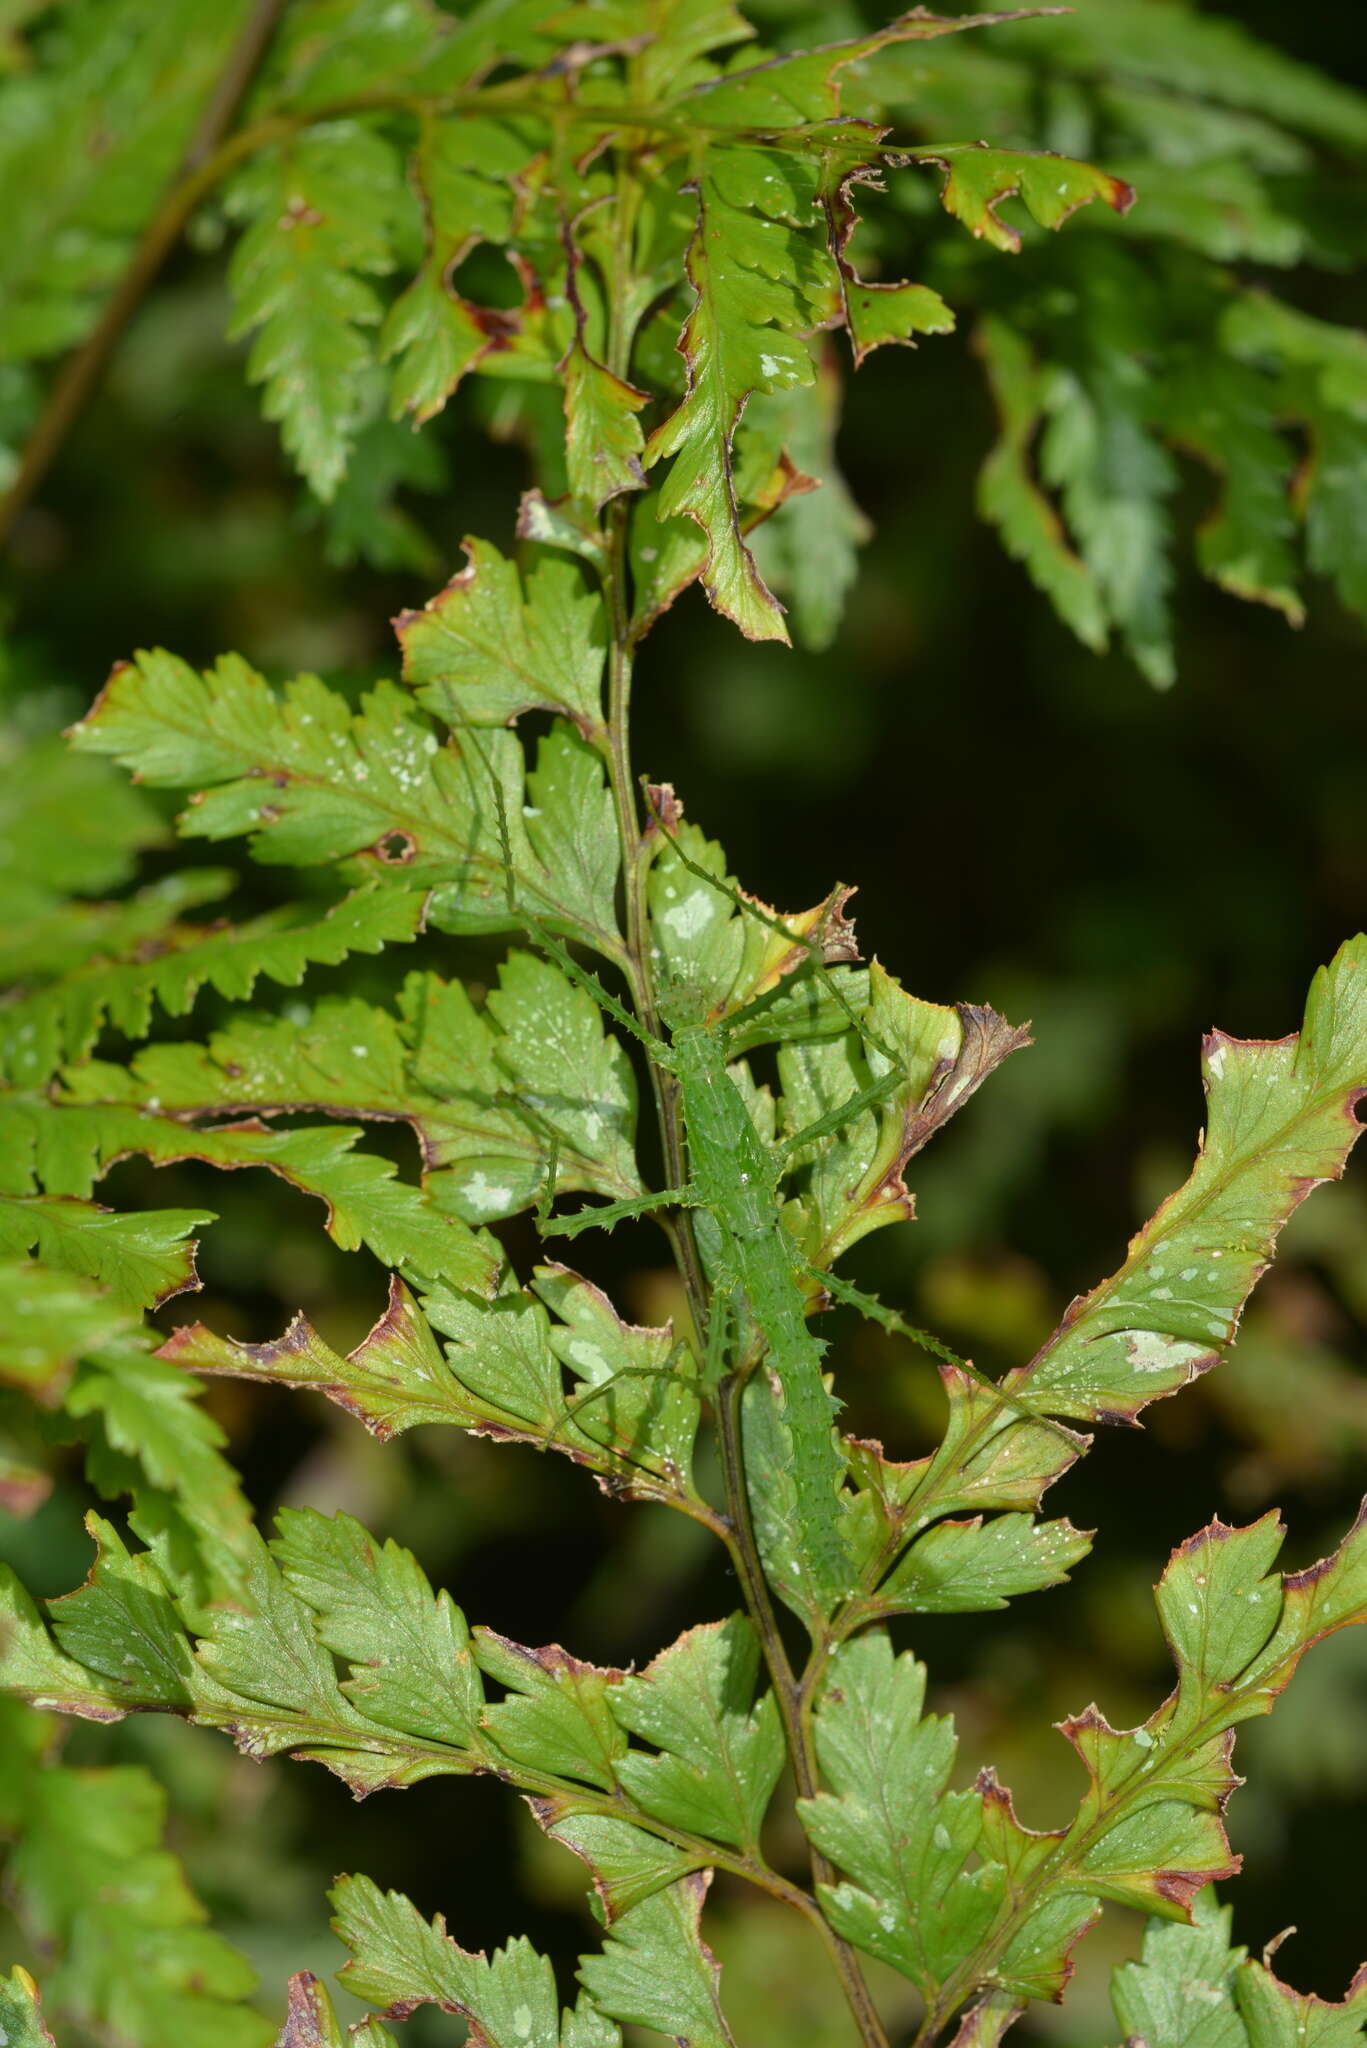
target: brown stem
<point>201,167</point>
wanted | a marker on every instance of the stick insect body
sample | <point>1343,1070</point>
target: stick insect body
<point>736,1178</point>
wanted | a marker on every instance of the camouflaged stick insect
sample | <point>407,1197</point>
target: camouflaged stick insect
<point>735,1177</point>
<point>839,1289</point>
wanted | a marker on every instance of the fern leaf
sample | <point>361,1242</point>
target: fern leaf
<point>399,1960</point>
<point>488,648</point>
<point>71,1346</point>
<point>1192,1978</point>
<point>756,288</point>
<point>495,1096</point>
<point>42,1031</point>
<point>21,2020</point>
<point>978,179</point>
<point>1280,1121</point>
<point>1010,495</point>
<point>312,782</point>
<point>720,1753</point>
<point>464,170</point>
<point>142,1259</point>
<point>71,826</point>
<point>96,1884</point>
<point>94,133</point>
<point>322,212</point>
<point>657,1971</point>
<point>502,1376</point>
<point>1012,1903</point>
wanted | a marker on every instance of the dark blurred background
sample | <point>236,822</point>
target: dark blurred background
<point>1029,825</point>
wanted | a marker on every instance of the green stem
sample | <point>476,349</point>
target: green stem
<point>206,161</point>
<point>635,854</point>
<point>794,1711</point>
<point>740,1538</point>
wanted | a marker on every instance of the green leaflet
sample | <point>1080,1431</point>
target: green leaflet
<point>1227,415</point>
<point>322,211</point>
<point>1011,1903</point>
<point>122,1625</point>
<point>603,437</point>
<point>1193,1989</point>
<point>1009,495</point>
<point>399,1960</point>
<point>1280,1120</point>
<point>964,1567</point>
<point>721,1754</point>
<point>76,1142</point>
<point>1320,376</point>
<point>978,178</point>
<point>463,169</point>
<point>20,2017</point>
<point>490,647</point>
<point>142,1259</point>
<point>556,1714</point>
<point>61,1021</point>
<point>70,827</point>
<point>148,1437</point>
<point>491,1094</point>
<point>756,290</point>
<point>502,1376</point>
<point>657,1971</point>
<point>988,1458</point>
<point>312,782</point>
<point>101,132</point>
<point>1112,478</point>
<point>626,1863</point>
<point>48,1320</point>
<point>132,1952</point>
<point>889,1820</point>
<point>262,1673</point>
<point>409,1648</point>
<point>393,1379</point>
<point>50,935</point>
<point>311,2021</point>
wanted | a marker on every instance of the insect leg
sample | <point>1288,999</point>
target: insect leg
<point>616,1212</point>
<point>836,1119</point>
<point>766,916</point>
<point>572,1409</point>
<point>878,1312</point>
<point>584,977</point>
<point>547,1195</point>
<point>718,1336</point>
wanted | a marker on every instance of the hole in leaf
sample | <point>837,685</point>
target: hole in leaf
<point>396,849</point>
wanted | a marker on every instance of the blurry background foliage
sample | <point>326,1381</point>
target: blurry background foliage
<point>1031,822</point>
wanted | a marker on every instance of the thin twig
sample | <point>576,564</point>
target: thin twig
<point>200,169</point>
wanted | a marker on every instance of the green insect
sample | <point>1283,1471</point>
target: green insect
<point>736,1179</point>
<point>758,1267</point>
